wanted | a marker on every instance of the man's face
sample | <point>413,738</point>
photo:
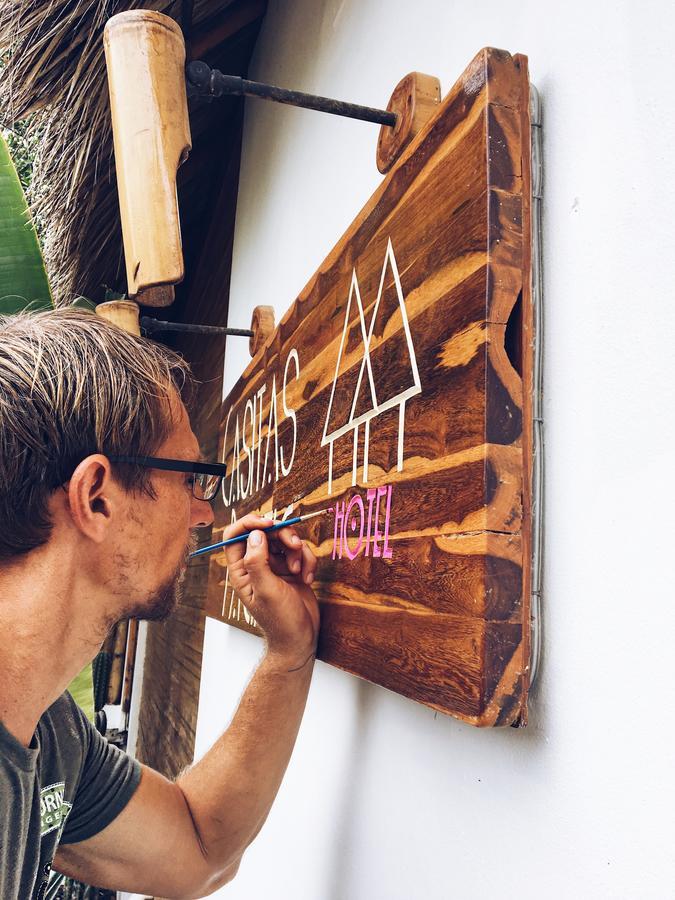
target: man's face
<point>154,546</point>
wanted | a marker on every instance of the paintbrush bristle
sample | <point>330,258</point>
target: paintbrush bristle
<point>318,513</point>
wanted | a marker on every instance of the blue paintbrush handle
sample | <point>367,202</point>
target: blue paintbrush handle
<point>243,537</point>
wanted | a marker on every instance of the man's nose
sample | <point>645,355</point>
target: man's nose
<point>201,513</point>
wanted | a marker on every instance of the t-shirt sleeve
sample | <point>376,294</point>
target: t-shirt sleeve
<point>108,779</point>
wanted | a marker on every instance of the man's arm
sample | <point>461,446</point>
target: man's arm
<point>185,839</point>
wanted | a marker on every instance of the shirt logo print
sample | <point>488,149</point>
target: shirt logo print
<point>53,808</point>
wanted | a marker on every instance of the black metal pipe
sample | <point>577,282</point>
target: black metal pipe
<point>150,325</point>
<point>204,80</point>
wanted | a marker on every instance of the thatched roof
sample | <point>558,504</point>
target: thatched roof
<point>55,72</point>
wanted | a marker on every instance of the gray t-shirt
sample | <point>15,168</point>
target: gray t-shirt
<point>64,788</point>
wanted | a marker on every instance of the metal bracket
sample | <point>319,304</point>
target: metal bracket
<point>537,402</point>
<point>150,326</point>
<point>202,80</point>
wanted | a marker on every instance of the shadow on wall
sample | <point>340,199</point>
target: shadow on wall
<point>355,775</point>
<point>414,730</point>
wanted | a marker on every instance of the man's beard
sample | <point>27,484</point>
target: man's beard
<point>164,600</point>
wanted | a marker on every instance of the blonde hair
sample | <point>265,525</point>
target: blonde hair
<point>72,384</point>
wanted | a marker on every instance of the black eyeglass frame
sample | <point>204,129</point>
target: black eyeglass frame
<point>177,465</point>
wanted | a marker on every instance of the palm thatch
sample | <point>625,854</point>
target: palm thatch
<point>55,72</point>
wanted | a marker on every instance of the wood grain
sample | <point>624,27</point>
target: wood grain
<point>390,391</point>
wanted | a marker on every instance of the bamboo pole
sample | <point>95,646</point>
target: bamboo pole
<point>145,59</point>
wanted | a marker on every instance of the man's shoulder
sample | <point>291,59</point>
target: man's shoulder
<point>64,707</point>
<point>64,723</point>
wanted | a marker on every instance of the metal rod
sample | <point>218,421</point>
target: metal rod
<point>151,325</point>
<point>537,462</point>
<point>204,80</point>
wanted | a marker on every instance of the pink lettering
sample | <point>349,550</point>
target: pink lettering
<point>339,528</point>
<point>370,496</point>
<point>355,501</point>
<point>351,521</point>
<point>386,550</point>
<point>381,492</point>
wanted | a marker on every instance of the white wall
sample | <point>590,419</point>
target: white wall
<point>384,800</point>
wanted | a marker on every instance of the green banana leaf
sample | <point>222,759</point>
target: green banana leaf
<point>23,279</point>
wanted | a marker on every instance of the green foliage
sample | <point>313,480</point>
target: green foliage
<point>23,279</point>
<point>82,690</point>
<point>111,294</point>
<point>23,140</point>
<point>84,303</point>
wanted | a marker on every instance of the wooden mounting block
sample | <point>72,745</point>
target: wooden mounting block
<point>415,100</point>
<point>397,389</point>
<point>262,326</point>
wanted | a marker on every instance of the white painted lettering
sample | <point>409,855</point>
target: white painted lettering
<point>290,413</point>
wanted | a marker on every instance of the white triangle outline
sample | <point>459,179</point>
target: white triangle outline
<point>377,409</point>
<point>397,400</point>
<point>354,289</point>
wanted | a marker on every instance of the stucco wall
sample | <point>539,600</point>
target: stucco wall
<point>383,798</point>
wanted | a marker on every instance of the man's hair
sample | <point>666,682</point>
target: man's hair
<point>72,384</point>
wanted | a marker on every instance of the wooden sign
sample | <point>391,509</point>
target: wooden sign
<point>397,390</point>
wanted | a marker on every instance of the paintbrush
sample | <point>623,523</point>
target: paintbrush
<point>243,537</point>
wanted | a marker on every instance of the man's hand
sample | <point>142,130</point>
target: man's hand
<point>272,575</point>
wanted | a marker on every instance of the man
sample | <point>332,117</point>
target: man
<point>88,537</point>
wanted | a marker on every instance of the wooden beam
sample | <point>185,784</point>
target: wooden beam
<point>219,29</point>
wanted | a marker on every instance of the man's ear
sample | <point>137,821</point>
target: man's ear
<point>92,495</point>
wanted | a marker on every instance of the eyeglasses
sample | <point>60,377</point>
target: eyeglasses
<point>208,476</point>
